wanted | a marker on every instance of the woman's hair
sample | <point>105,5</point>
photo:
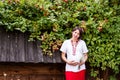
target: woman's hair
<point>80,31</point>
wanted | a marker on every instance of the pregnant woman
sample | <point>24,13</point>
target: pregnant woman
<point>74,53</point>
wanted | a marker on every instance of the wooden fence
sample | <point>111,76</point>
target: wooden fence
<point>15,47</point>
<point>24,60</point>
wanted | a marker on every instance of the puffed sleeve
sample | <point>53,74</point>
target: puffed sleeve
<point>64,47</point>
<point>84,47</point>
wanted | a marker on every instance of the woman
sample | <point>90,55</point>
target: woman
<point>74,53</point>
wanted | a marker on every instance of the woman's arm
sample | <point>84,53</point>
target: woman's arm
<point>84,59</point>
<point>63,56</point>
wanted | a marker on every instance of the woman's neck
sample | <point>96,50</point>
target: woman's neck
<point>74,40</point>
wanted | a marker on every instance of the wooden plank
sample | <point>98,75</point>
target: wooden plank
<point>57,57</point>
<point>0,42</point>
<point>48,59</point>
<point>39,51</point>
<point>7,47</point>
<point>38,57</point>
<point>35,52</point>
<point>21,47</point>
<point>4,47</point>
<point>16,47</point>
<point>29,55</point>
<point>12,45</point>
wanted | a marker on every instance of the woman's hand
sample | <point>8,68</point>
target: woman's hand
<point>81,63</point>
<point>84,59</point>
<point>73,63</point>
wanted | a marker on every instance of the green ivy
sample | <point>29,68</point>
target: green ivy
<point>51,22</point>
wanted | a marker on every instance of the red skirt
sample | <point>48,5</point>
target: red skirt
<point>75,75</point>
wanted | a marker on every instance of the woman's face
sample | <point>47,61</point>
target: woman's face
<point>76,34</point>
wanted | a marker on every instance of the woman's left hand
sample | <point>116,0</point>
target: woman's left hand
<point>81,63</point>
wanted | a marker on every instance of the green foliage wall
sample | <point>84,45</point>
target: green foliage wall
<point>51,21</point>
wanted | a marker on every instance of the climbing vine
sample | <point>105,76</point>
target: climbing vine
<point>51,22</point>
